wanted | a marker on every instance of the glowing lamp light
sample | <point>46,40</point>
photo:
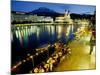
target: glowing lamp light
<point>36,53</point>
<point>41,51</point>
<point>31,56</point>
<point>48,45</point>
<point>17,28</point>
<point>37,49</point>
<point>24,60</point>
<point>14,66</point>
<point>28,54</point>
<point>19,63</point>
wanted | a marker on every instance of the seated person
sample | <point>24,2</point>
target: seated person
<point>36,70</point>
<point>50,61</point>
<point>68,50</point>
<point>46,66</point>
<point>60,54</point>
<point>41,69</point>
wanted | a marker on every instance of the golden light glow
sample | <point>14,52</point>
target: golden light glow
<point>19,63</point>
<point>41,51</point>
<point>59,29</point>
<point>24,60</point>
<point>31,56</point>
<point>14,66</point>
<point>28,54</point>
<point>37,54</point>
<point>68,30</point>
<point>37,49</point>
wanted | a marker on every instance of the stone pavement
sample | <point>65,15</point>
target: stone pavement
<point>80,58</point>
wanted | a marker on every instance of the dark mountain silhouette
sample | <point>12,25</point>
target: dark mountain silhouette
<point>43,11</point>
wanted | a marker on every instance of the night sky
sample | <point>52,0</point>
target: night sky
<point>26,6</point>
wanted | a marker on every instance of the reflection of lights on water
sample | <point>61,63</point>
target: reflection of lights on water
<point>29,31</point>
<point>72,27</point>
<point>26,27</point>
<point>68,30</point>
<point>33,29</point>
<point>17,28</point>
<point>48,28</point>
<point>38,32</point>
<point>59,29</point>
<point>20,36</point>
<point>24,32</point>
<point>17,34</point>
<point>25,37</point>
<point>52,29</point>
<point>22,27</point>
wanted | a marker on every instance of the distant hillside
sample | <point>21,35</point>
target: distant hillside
<point>43,11</point>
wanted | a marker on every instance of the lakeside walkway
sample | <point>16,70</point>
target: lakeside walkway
<point>80,58</point>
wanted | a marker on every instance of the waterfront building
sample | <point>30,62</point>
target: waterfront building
<point>65,18</point>
<point>30,18</point>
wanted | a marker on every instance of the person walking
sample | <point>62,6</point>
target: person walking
<point>92,44</point>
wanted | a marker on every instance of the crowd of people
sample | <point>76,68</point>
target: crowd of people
<point>48,65</point>
<point>44,60</point>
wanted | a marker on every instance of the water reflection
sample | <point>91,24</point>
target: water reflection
<point>26,38</point>
<point>39,35</point>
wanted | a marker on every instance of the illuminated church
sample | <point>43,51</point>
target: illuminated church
<point>65,17</point>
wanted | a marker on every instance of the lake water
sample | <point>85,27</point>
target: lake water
<point>26,38</point>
